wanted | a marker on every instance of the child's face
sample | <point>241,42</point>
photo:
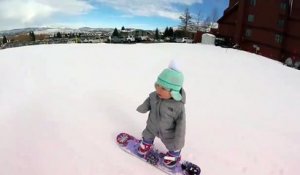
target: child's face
<point>162,92</point>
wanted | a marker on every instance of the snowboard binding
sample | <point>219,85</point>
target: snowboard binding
<point>152,158</point>
<point>190,168</point>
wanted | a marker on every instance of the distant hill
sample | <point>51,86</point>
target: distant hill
<point>50,30</point>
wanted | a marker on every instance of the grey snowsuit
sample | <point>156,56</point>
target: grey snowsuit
<point>166,120</point>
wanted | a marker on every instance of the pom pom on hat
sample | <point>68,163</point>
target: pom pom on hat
<point>175,65</point>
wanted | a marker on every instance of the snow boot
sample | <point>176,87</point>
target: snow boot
<point>144,148</point>
<point>171,159</point>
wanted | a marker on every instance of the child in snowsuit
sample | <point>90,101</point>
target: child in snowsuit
<point>166,118</point>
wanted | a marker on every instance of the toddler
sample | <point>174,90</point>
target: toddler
<point>166,118</point>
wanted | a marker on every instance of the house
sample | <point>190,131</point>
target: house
<point>266,27</point>
<point>124,36</point>
<point>132,35</point>
<point>143,35</point>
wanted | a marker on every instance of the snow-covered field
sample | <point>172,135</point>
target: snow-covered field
<point>61,107</point>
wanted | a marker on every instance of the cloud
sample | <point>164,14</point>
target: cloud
<point>32,13</point>
<point>160,8</point>
<point>14,13</point>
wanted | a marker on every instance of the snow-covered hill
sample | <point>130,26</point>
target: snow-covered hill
<point>61,107</point>
<point>54,30</point>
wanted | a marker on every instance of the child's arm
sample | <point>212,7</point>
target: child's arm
<point>180,131</point>
<point>145,107</point>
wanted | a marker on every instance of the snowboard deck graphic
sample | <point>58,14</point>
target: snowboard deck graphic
<point>130,144</point>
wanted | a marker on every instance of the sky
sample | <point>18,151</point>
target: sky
<point>144,14</point>
<point>61,108</point>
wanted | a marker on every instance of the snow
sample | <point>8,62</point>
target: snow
<point>61,107</point>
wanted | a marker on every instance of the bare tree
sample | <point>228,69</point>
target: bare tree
<point>198,20</point>
<point>214,15</point>
<point>186,20</point>
<point>212,18</point>
<point>207,22</point>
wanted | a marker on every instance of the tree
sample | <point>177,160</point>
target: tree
<point>115,33</point>
<point>186,20</point>
<point>214,15</point>
<point>212,18</point>
<point>166,32</point>
<point>32,36</point>
<point>58,35</point>
<point>156,34</point>
<point>123,28</point>
<point>71,35</point>
<point>4,40</point>
<point>171,32</point>
<point>179,34</point>
<point>198,20</point>
<point>207,22</point>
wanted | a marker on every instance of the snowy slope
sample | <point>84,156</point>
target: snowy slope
<point>61,107</point>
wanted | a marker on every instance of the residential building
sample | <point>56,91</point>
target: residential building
<point>267,27</point>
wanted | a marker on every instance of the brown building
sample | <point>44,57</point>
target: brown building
<point>267,27</point>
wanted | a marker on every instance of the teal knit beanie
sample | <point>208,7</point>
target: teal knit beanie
<point>173,80</point>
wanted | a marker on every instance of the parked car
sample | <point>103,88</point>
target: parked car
<point>184,40</point>
<point>142,38</point>
<point>224,43</point>
<point>130,39</point>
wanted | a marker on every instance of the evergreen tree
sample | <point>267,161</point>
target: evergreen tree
<point>32,36</point>
<point>171,32</point>
<point>58,35</point>
<point>115,33</point>
<point>186,20</point>
<point>156,34</point>
<point>123,28</point>
<point>71,35</point>
<point>4,40</point>
<point>179,34</point>
<point>166,32</point>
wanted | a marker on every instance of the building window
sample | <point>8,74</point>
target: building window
<point>248,33</point>
<point>252,2</point>
<point>278,38</point>
<point>250,18</point>
<point>283,6</point>
<point>280,23</point>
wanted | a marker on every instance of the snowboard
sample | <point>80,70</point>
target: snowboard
<point>130,144</point>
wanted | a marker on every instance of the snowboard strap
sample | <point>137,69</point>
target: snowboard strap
<point>170,158</point>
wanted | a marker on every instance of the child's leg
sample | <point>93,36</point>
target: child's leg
<point>175,153</point>
<point>147,142</point>
<point>148,136</point>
